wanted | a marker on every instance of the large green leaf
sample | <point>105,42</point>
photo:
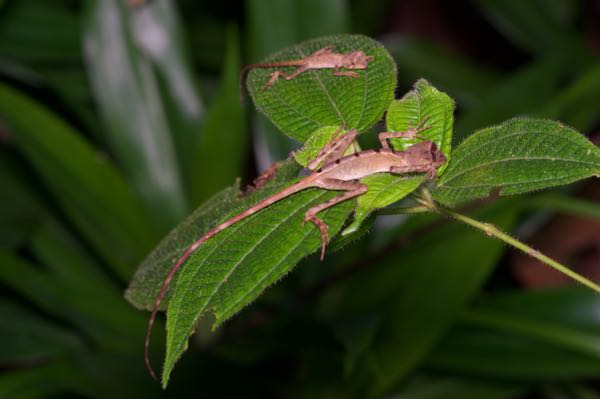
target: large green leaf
<point>20,211</point>
<point>28,338</point>
<point>87,186</point>
<point>276,24</point>
<point>317,98</point>
<point>526,335</point>
<point>150,275</point>
<point>424,104</point>
<point>231,269</point>
<point>441,387</point>
<point>518,156</point>
<point>223,132</point>
<point>411,323</point>
<point>136,125</point>
<point>45,381</point>
<point>158,33</point>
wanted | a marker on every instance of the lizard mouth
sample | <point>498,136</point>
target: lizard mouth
<point>438,156</point>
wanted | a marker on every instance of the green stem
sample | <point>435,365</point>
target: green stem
<point>395,210</point>
<point>492,231</point>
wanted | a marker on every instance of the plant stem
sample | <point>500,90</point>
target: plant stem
<point>492,231</point>
<point>395,210</point>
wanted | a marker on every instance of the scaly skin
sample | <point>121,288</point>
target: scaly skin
<point>324,58</point>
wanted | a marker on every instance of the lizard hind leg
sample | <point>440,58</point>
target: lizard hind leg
<point>334,149</point>
<point>353,189</point>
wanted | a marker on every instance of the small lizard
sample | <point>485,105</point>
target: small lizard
<point>336,173</point>
<point>324,58</point>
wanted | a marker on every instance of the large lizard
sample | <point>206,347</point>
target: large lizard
<point>324,58</point>
<point>331,171</point>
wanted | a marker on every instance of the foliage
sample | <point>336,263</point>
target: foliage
<point>102,154</point>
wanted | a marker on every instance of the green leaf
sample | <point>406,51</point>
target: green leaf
<point>151,273</point>
<point>432,386</point>
<point>317,98</point>
<point>425,101</point>
<point>521,93</point>
<point>317,141</point>
<point>518,156</point>
<point>136,126</point>
<point>412,323</point>
<point>472,350</point>
<point>20,211</point>
<point>44,381</point>
<point>55,40</point>
<point>224,134</point>
<point>158,33</point>
<point>423,104</point>
<point>418,58</point>
<point>85,287</point>
<point>233,268</point>
<point>537,25</point>
<point>575,104</point>
<point>384,190</point>
<point>541,334</point>
<point>28,338</point>
<point>275,24</point>
<point>87,186</point>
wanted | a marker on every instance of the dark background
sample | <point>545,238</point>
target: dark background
<point>152,91</point>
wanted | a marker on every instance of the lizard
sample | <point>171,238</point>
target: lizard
<point>330,170</point>
<point>324,58</point>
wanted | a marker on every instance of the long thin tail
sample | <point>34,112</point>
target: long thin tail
<point>248,67</point>
<point>299,186</point>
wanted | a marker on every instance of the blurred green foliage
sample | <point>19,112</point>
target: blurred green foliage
<point>116,122</point>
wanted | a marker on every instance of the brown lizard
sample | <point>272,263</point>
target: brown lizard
<point>336,173</point>
<point>324,58</point>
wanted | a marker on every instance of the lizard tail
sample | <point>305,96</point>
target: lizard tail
<point>299,186</point>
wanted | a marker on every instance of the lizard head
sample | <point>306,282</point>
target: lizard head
<point>428,151</point>
<point>357,60</point>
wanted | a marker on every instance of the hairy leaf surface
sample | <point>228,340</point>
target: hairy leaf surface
<point>424,104</point>
<point>517,156</point>
<point>151,273</point>
<point>234,267</point>
<point>316,98</point>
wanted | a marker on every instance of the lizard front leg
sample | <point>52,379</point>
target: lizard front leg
<point>348,74</point>
<point>411,133</point>
<point>353,189</point>
<point>334,149</point>
<point>279,74</point>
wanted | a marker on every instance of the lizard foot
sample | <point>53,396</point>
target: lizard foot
<point>323,228</point>
<point>431,173</point>
<point>274,76</point>
<point>348,74</point>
